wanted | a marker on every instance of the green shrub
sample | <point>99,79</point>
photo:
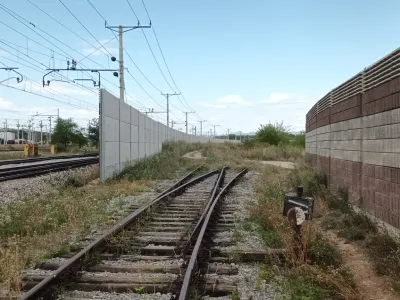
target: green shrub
<point>299,140</point>
<point>323,254</point>
<point>273,134</point>
<point>162,165</point>
<point>313,181</point>
<point>303,288</point>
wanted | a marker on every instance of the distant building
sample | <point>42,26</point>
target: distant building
<point>7,136</point>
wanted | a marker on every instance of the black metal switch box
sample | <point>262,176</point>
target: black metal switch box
<point>296,200</point>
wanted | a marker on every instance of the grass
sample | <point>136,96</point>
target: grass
<point>313,267</point>
<point>352,225</point>
<point>162,165</point>
<point>38,227</point>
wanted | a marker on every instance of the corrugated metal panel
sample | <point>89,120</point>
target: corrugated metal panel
<point>384,70</point>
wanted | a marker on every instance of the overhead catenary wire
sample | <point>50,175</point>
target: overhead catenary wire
<point>66,27</point>
<point>10,12</point>
<point>30,50</point>
<point>129,56</point>
<point>43,65</point>
<point>151,50</point>
<point>49,89</point>
<point>165,61</point>
<point>13,14</point>
<point>126,52</point>
<point>84,27</point>
<point>47,97</point>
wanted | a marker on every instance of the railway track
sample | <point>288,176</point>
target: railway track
<point>164,248</point>
<point>38,159</point>
<point>29,170</point>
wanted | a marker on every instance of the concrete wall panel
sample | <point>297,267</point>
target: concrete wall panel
<point>126,135</point>
<point>125,132</point>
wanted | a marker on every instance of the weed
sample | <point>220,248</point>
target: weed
<point>356,226</point>
<point>39,226</point>
<point>314,182</point>
<point>139,289</point>
<point>266,274</point>
<point>313,269</point>
<point>305,288</point>
<point>323,254</point>
<point>235,295</point>
<point>386,254</point>
<point>162,165</point>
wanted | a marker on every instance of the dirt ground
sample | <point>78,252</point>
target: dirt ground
<point>283,164</point>
<point>194,155</point>
<point>370,285</point>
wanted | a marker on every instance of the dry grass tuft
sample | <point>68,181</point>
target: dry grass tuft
<point>38,227</point>
<point>311,256</point>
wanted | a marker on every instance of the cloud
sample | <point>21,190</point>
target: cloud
<point>4,104</point>
<point>278,97</point>
<point>227,101</point>
<point>234,99</point>
<point>213,105</point>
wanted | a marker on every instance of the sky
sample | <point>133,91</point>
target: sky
<point>238,64</point>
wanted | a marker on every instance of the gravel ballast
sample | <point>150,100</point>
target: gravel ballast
<point>21,188</point>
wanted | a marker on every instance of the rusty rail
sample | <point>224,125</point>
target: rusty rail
<point>193,259</point>
<point>78,258</point>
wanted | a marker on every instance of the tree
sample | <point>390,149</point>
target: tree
<point>94,132</point>
<point>66,132</point>
<point>273,134</point>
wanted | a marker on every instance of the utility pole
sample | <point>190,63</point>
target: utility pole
<point>201,126</point>
<point>167,96</point>
<point>214,129</point>
<point>240,135</point>
<point>186,122</point>
<point>227,137</point>
<point>50,129</point>
<point>121,53</point>
<point>41,133</point>
<point>18,130</point>
<point>22,132</point>
<point>195,130</point>
<point>6,132</point>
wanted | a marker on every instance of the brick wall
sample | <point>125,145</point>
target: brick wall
<point>356,142</point>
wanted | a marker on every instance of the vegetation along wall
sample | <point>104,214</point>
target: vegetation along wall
<point>353,135</point>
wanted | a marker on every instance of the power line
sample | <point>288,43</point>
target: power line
<point>49,88</point>
<point>10,12</point>
<point>83,26</point>
<point>151,50</point>
<point>158,103</point>
<point>43,65</point>
<point>126,52</point>
<point>4,8</point>
<point>43,96</point>
<point>30,50</point>
<point>165,61</point>
<point>129,56</point>
<point>66,27</point>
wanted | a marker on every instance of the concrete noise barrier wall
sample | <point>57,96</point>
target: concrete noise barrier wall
<point>353,134</point>
<point>127,135</point>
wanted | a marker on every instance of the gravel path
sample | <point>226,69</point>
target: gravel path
<point>21,188</point>
<point>249,283</point>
